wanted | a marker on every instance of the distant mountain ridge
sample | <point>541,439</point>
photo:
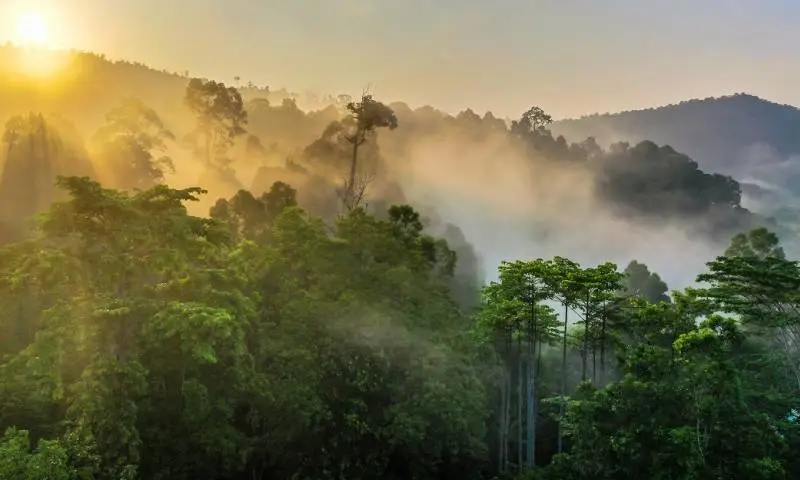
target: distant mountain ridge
<point>742,135</point>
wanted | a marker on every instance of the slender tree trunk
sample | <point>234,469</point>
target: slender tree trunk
<point>603,348</point>
<point>536,371</point>
<point>698,435</point>
<point>562,403</point>
<point>520,379</point>
<point>594,352</point>
<point>530,380</point>
<point>507,430</point>
<point>585,349</point>
<point>501,440</point>
<point>508,381</point>
<point>784,339</point>
<point>350,191</point>
<point>531,409</point>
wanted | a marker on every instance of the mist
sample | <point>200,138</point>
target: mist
<point>510,207</point>
<point>507,203</point>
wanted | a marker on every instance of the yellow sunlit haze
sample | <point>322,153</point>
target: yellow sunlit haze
<point>33,33</point>
<point>32,29</point>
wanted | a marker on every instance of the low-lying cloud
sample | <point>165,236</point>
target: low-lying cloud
<point>510,207</point>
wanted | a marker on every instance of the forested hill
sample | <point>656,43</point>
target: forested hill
<point>200,284</point>
<point>506,190</point>
<point>741,135</point>
<point>90,84</point>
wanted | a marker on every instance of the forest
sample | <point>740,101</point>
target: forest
<point>240,289</point>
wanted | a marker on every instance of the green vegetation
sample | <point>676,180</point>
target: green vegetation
<point>324,326</point>
<point>141,342</point>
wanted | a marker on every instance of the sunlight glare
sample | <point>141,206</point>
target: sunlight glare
<point>31,29</point>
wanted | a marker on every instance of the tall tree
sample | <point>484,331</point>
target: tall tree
<point>366,116</point>
<point>514,305</point>
<point>132,146</point>
<point>221,118</point>
<point>756,281</point>
<point>32,148</point>
<point>564,281</point>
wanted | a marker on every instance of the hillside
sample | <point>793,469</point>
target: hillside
<point>199,281</point>
<point>749,138</point>
<point>510,190</point>
<point>83,86</point>
<point>742,135</point>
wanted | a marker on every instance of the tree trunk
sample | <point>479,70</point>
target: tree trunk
<point>585,349</point>
<point>530,379</point>
<point>503,425</point>
<point>531,409</point>
<point>562,403</point>
<point>784,339</point>
<point>508,364</point>
<point>536,397</point>
<point>507,422</point>
<point>603,348</point>
<point>350,191</point>
<point>520,379</point>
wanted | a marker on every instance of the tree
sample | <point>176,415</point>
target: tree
<point>699,421</point>
<point>534,120</point>
<point>37,150</point>
<point>221,118</point>
<point>563,280</point>
<point>755,281</point>
<point>32,151</point>
<point>647,180</point>
<point>140,341</point>
<point>596,289</point>
<point>132,144</point>
<point>134,304</point>
<point>48,461</point>
<point>758,242</point>
<point>640,282</point>
<point>248,217</point>
<point>513,306</point>
<point>366,117</point>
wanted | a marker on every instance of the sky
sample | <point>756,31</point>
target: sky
<point>571,57</point>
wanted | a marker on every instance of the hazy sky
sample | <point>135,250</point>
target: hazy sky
<point>570,56</point>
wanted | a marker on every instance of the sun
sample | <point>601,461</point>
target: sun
<point>32,29</point>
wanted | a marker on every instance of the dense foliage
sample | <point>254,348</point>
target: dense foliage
<point>139,341</point>
<point>322,326</point>
<point>154,344</point>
